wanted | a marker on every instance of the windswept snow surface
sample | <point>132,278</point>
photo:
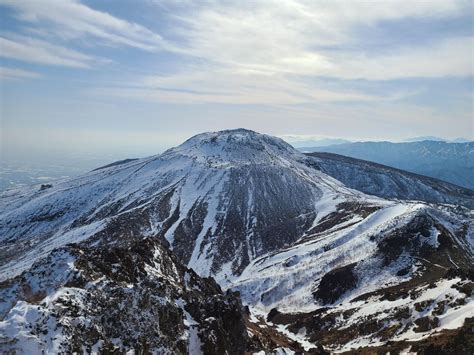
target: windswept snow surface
<point>285,279</point>
<point>453,317</point>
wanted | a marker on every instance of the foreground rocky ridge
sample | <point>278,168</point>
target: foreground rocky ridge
<point>133,296</point>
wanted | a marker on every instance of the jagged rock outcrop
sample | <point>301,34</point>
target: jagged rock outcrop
<point>116,298</point>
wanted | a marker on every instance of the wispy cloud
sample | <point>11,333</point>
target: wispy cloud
<point>364,65</point>
<point>71,20</point>
<point>14,73</point>
<point>38,51</point>
<point>261,38</point>
<point>448,58</point>
<point>227,86</point>
<point>64,32</point>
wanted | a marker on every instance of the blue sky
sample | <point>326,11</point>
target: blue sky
<point>135,77</point>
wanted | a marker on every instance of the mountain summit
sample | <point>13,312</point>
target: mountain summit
<point>234,147</point>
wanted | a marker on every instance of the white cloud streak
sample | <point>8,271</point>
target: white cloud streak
<point>41,52</point>
<point>71,20</point>
<point>448,58</point>
<point>226,86</point>
<point>57,25</point>
<point>14,73</point>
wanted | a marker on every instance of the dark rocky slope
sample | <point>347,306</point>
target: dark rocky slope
<point>117,298</point>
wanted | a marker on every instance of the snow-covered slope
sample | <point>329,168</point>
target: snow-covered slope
<point>388,182</point>
<point>339,277</point>
<point>384,245</point>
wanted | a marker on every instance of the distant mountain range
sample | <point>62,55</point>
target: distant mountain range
<point>324,142</point>
<point>319,142</point>
<point>435,139</point>
<point>451,162</point>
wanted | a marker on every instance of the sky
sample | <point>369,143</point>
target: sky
<point>132,78</point>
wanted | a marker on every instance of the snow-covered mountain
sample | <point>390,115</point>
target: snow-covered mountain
<point>252,212</point>
<point>220,200</point>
